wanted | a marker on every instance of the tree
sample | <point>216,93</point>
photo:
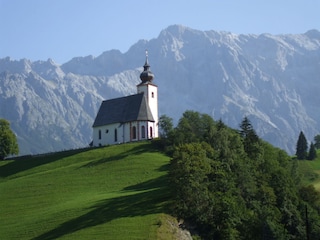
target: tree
<point>312,152</point>
<point>317,141</point>
<point>204,192</point>
<point>193,127</point>
<point>302,147</point>
<point>8,140</point>
<point>230,184</point>
<point>165,125</point>
<point>251,141</point>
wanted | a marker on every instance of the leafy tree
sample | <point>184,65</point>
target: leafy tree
<point>317,141</point>
<point>8,140</point>
<point>193,127</point>
<point>302,147</point>
<point>232,185</point>
<point>204,191</point>
<point>190,168</point>
<point>311,198</point>
<point>310,195</point>
<point>312,152</point>
<point>165,125</point>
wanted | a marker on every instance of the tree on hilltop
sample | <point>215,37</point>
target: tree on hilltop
<point>251,141</point>
<point>302,147</point>
<point>312,152</point>
<point>165,126</point>
<point>8,140</point>
<point>317,141</point>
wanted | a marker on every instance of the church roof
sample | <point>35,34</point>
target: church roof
<point>124,109</point>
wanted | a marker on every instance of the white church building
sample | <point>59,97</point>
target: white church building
<point>131,118</point>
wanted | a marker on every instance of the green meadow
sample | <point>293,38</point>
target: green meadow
<point>114,192</point>
<point>310,171</point>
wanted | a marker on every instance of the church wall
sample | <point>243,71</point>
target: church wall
<point>141,131</point>
<point>152,130</point>
<point>122,133</point>
<point>105,135</point>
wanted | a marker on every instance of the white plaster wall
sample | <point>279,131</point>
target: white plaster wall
<point>153,104</point>
<point>123,131</point>
<point>107,135</point>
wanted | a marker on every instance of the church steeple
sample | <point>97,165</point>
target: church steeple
<point>146,76</point>
<point>150,91</point>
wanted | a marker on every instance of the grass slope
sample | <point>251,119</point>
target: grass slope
<point>116,192</point>
<point>310,171</point>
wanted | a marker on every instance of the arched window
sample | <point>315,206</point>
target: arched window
<point>99,134</point>
<point>152,94</point>
<point>151,135</point>
<point>143,132</point>
<point>115,135</point>
<point>134,132</point>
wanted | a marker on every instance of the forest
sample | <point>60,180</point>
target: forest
<point>230,184</point>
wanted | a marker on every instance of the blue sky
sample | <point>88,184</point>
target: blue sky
<point>63,29</point>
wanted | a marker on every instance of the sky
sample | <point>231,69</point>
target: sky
<point>63,29</point>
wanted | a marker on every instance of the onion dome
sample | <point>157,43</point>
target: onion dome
<point>146,76</point>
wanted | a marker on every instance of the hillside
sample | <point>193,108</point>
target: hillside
<point>113,192</point>
<point>230,184</point>
<point>310,171</point>
<point>272,79</point>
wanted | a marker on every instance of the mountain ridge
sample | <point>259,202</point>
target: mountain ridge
<point>272,79</point>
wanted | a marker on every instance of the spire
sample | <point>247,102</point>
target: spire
<point>147,61</point>
<point>146,75</point>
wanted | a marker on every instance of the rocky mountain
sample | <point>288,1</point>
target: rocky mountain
<point>272,79</point>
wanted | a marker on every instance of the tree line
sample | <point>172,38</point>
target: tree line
<point>302,147</point>
<point>230,184</point>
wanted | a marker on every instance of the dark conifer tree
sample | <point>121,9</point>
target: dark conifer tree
<point>302,147</point>
<point>317,141</point>
<point>312,152</point>
<point>251,141</point>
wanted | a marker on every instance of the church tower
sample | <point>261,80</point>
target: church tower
<point>150,91</point>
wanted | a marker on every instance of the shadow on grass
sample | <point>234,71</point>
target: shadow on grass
<point>150,184</point>
<point>23,163</point>
<point>127,150</point>
<point>140,204</point>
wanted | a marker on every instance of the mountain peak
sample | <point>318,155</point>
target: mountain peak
<point>15,66</point>
<point>177,30</point>
<point>313,34</point>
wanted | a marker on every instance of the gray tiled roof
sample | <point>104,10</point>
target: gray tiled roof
<point>124,109</point>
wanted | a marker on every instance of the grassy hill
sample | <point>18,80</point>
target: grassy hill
<point>115,192</point>
<point>310,171</point>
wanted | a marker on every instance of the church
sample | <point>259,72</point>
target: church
<point>131,118</point>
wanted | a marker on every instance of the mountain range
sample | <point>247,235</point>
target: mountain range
<point>274,80</point>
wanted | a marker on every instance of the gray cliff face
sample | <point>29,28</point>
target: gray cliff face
<point>272,79</point>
